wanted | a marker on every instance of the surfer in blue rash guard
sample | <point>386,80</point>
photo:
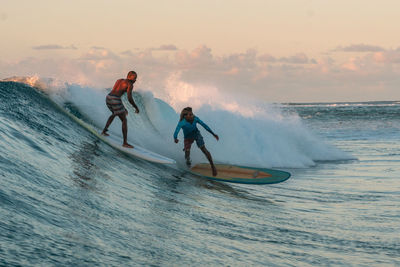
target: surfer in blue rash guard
<point>188,123</point>
<point>114,104</point>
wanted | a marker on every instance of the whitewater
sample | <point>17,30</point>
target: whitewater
<point>68,199</point>
<point>252,134</point>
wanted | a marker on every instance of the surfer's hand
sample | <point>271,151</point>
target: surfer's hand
<point>137,110</point>
<point>126,112</point>
<point>216,137</point>
<point>176,140</point>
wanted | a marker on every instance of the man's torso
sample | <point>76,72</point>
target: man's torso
<point>120,87</point>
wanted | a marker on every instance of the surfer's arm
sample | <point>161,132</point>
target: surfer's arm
<point>178,128</point>
<point>205,126</point>
<point>130,98</point>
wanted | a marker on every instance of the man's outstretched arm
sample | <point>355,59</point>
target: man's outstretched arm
<point>130,98</point>
<point>205,126</point>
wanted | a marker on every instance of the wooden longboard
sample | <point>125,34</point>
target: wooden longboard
<point>240,174</point>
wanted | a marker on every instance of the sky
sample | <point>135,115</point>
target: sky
<point>274,50</point>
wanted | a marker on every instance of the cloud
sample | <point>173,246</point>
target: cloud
<point>299,58</point>
<point>387,57</point>
<point>169,47</point>
<point>359,48</point>
<point>352,64</point>
<point>148,51</point>
<point>54,47</point>
<point>267,58</point>
<point>98,53</point>
<point>198,57</point>
<point>127,53</point>
<point>98,47</point>
<point>273,78</point>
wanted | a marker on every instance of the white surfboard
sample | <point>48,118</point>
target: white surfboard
<point>116,143</point>
<point>136,151</point>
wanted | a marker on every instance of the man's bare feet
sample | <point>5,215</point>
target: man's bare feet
<point>127,145</point>
<point>104,133</point>
<point>214,170</point>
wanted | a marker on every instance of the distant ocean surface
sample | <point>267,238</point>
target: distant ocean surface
<point>68,199</point>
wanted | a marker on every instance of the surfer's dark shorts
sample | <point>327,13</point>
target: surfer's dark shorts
<point>189,141</point>
<point>114,104</point>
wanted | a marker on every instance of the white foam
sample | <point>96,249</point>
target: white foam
<point>251,133</point>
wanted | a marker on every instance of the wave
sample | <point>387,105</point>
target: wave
<point>347,104</point>
<point>262,136</point>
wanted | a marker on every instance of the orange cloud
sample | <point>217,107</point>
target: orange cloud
<point>262,75</point>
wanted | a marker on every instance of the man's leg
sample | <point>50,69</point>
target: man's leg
<point>187,157</point>
<point>124,121</point>
<point>208,155</point>
<point>187,145</point>
<point>109,121</point>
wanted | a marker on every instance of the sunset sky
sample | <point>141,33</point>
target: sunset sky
<point>286,50</point>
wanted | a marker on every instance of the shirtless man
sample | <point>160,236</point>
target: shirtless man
<point>114,104</point>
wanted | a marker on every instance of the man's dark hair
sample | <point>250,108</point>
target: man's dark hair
<point>131,73</point>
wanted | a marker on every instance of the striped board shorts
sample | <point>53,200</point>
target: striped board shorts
<point>114,104</point>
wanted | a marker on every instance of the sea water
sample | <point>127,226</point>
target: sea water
<point>66,198</point>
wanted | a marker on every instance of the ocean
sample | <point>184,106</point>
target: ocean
<point>68,199</point>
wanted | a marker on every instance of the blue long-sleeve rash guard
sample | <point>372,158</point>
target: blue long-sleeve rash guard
<point>190,129</point>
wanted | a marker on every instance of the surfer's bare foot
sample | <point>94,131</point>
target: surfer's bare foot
<point>214,170</point>
<point>127,145</point>
<point>104,133</point>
